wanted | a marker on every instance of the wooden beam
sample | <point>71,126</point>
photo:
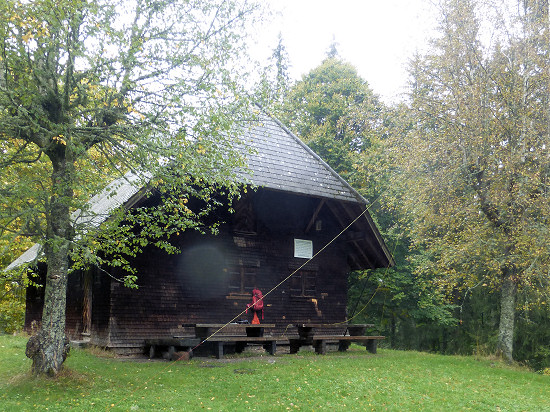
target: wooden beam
<point>366,238</point>
<point>355,259</point>
<point>315,214</point>
<point>380,249</point>
<point>351,236</point>
<point>336,214</point>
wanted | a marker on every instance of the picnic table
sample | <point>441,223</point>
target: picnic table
<point>205,330</point>
<point>316,334</point>
<point>218,339</point>
<point>218,336</point>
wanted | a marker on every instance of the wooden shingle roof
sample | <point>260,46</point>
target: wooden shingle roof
<point>281,161</point>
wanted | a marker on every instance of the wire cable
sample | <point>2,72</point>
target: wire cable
<point>267,294</point>
<point>292,274</point>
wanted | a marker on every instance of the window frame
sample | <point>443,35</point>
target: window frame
<point>304,290</point>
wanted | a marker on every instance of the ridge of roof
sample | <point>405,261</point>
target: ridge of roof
<point>359,197</point>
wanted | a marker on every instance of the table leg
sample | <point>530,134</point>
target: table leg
<point>218,350</point>
<point>321,347</point>
<point>271,347</point>
<point>294,345</point>
<point>371,345</point>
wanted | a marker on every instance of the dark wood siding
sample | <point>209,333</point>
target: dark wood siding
<point>171,293</point>
<point>211,279</point>
<point>200,284</point>
<point>34,300</point>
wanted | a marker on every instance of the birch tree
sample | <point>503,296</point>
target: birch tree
<point>477,160</point>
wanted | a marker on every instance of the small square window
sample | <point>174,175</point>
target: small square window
<point>303,283</point>
<point>303,248</point>
<point>242,280</point>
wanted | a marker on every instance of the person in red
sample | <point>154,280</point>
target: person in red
<point>256,306</point>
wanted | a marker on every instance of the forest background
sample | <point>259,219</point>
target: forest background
<point>457,175</point>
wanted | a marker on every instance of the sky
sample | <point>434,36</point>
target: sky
<point>377,37</point>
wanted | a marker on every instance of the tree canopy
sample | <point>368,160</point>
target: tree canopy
<point>476,161</point>
<point>335,112</point>
<point>92,89</point>
<point>333,109</point>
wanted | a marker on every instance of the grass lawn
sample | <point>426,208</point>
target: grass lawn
<point>350,381</point>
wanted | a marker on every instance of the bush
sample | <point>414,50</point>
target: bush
<point>12,304</point>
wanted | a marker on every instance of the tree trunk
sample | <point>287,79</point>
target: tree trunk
<point>507,318</point>
<point>49,348</point>
<point>393,328</point>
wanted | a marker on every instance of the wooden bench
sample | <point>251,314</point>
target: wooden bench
<point>320,342</point>
<point>217,344</point>
<point>216,336</point>
<point>308,335</point>
<point>307,330</point>
<point>205,330</point>
<point>170,345</point>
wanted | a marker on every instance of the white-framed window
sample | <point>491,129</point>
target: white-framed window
<point>303,248</point>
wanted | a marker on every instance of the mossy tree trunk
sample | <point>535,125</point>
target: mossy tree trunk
<point>83,117</point>
<point>49,348</point>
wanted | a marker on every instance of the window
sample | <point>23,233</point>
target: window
<point>303,248</point>
<point>242,280</point>
<point>303,283</point>
<point>244,218</point>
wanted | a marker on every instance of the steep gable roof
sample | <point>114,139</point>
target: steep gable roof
<point>278,161</point>
<point>281,161</point>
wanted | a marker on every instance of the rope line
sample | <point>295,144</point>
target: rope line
<point>169,364</point>
<point>386,294</point>
<point>366,304</point>
<point>292,274</point>
<point>378,288</point>
<point>365,282</point>
<point>373,295</point>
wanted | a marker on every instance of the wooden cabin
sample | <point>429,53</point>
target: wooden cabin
<point>299,207</point>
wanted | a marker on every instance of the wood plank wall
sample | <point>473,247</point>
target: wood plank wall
<point>167,298</point>
<point>197,286</point>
